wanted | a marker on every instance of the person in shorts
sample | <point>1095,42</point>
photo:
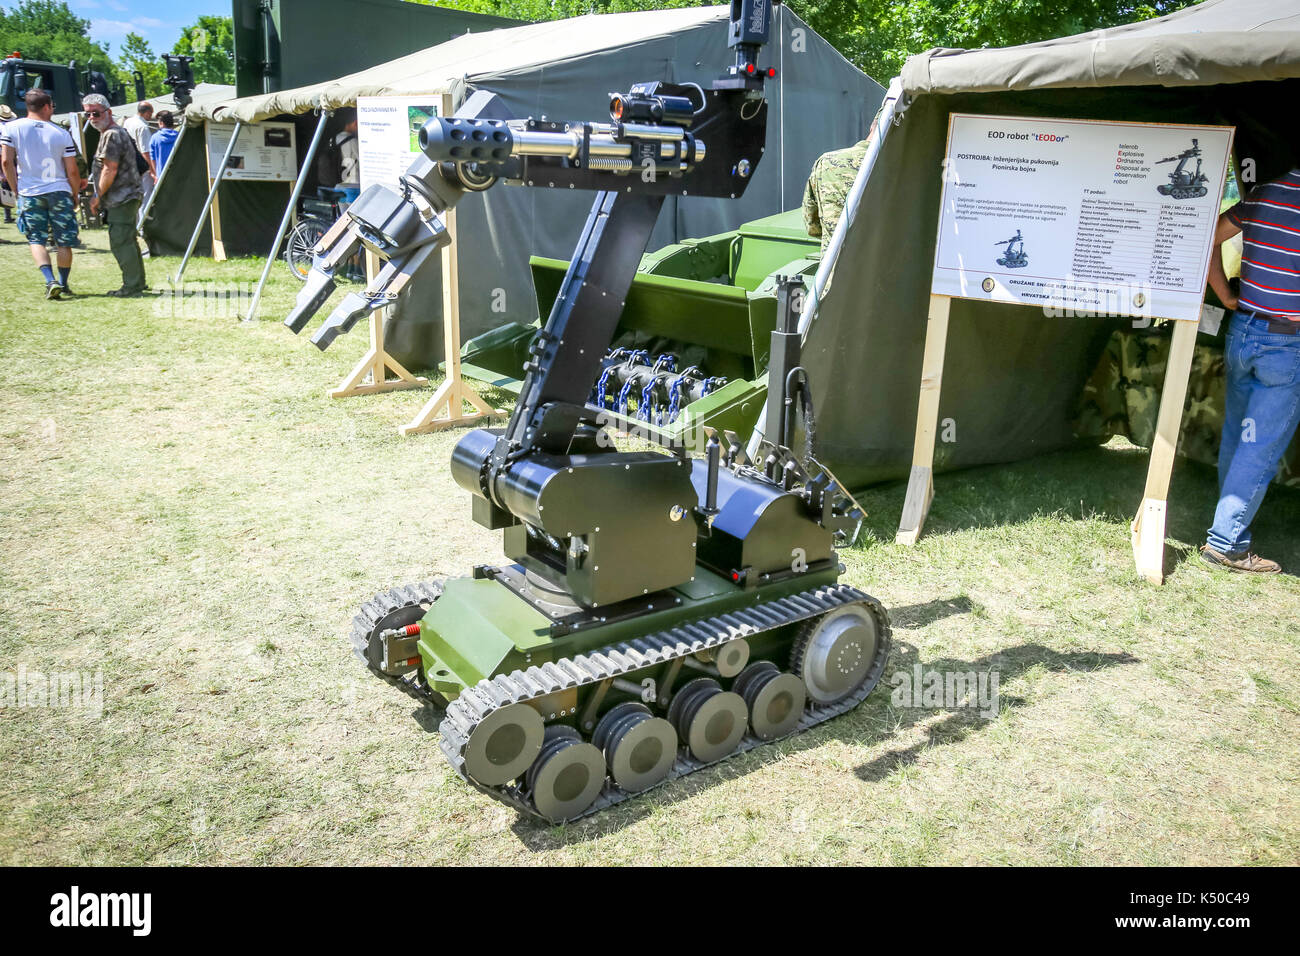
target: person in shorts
<point>40,165</point>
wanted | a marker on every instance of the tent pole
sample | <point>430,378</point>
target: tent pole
<point>892,107</point>
<point>144,213</point>
<point>212,194</point>
<point>288,213</point>
<point>890,110</point>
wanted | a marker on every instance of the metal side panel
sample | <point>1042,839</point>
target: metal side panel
<point>475,627</point>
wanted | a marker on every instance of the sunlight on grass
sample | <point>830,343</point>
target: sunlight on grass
<point>187,512</point>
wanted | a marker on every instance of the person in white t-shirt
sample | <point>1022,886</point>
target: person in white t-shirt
<point>40,164</point>
<point>138,127</point>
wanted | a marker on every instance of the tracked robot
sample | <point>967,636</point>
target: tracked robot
<point>660,610</point>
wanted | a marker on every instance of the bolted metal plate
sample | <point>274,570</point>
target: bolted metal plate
<point>838,654</point>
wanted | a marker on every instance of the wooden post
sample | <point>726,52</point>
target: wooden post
<point>370,375</point>
<point>920,484</point>
<point>446,408</point>
<point>1148,528</point>
<point>218,246</point>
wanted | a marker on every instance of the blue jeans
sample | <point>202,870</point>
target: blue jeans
<point>1260,416</point>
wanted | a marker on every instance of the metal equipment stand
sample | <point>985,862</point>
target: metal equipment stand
<point>289,212</point>
<point>209,205</point>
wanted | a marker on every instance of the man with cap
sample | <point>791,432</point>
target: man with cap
<point>7,114</point>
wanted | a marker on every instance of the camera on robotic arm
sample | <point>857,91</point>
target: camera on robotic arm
<point>648,134</point>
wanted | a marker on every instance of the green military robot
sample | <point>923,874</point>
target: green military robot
<point>660,611</point>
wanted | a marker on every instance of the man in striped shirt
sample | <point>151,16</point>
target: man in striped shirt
<point>1262,360</point>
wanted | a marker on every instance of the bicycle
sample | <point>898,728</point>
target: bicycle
<point>316,216</point>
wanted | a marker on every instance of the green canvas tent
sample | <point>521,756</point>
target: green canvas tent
<point>1013,378</point>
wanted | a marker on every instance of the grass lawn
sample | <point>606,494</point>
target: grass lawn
<point>186,511</point>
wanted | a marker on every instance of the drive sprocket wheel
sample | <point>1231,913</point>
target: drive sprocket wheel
<point>841,652</point>
<point>396,607</point>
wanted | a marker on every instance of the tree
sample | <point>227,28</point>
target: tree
<point>45,30</point>
<point>211,41</point>
<point>890,31</point>
<point>137,55</point>
<point>878,35</point>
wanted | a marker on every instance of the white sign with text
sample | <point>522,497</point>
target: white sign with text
<point>265,152</point>
<point>1081,216</point>
<point>388,128</point>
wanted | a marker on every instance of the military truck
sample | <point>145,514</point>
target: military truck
<point>65,84</point>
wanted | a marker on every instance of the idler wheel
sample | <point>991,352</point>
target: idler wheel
<point>639,748</point>
<point>839,653</point>
<point>711,721</point>
<point>504,744</point>
<point>567,775</point>
<point>775,700</point>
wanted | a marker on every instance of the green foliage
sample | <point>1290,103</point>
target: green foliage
<point>878,35</point>
<point>211,41</point>
<point>136,54</point>
<point>889,31</point>
<point>46,30</point>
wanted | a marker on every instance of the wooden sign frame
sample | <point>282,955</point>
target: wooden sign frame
<point>447,406</point>
<point>214,212</point>
<point>370,375</point>
<point>1147,531</point>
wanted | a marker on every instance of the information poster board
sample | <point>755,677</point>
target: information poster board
<point>265,152</point>
<point>388,128</point>
<point>1085,217</point>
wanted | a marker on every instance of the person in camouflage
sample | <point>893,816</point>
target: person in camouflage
<point>828,190</point>
<point>829,184</point>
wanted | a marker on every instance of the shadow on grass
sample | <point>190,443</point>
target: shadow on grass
<point>954,728</point>
<point>1102,483</point>
<point>958,724</point>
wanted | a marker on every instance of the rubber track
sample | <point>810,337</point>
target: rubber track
<point>379,607</point>
<point>473,705</point>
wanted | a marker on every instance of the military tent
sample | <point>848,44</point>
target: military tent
<point>566,69</point>
<point>1013,378</point>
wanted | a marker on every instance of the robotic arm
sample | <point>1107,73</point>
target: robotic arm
<point>602,526</point>
<point>653,145</point>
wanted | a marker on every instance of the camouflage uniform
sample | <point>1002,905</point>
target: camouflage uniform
<point>1123,398</point>
<point>828,189</point>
